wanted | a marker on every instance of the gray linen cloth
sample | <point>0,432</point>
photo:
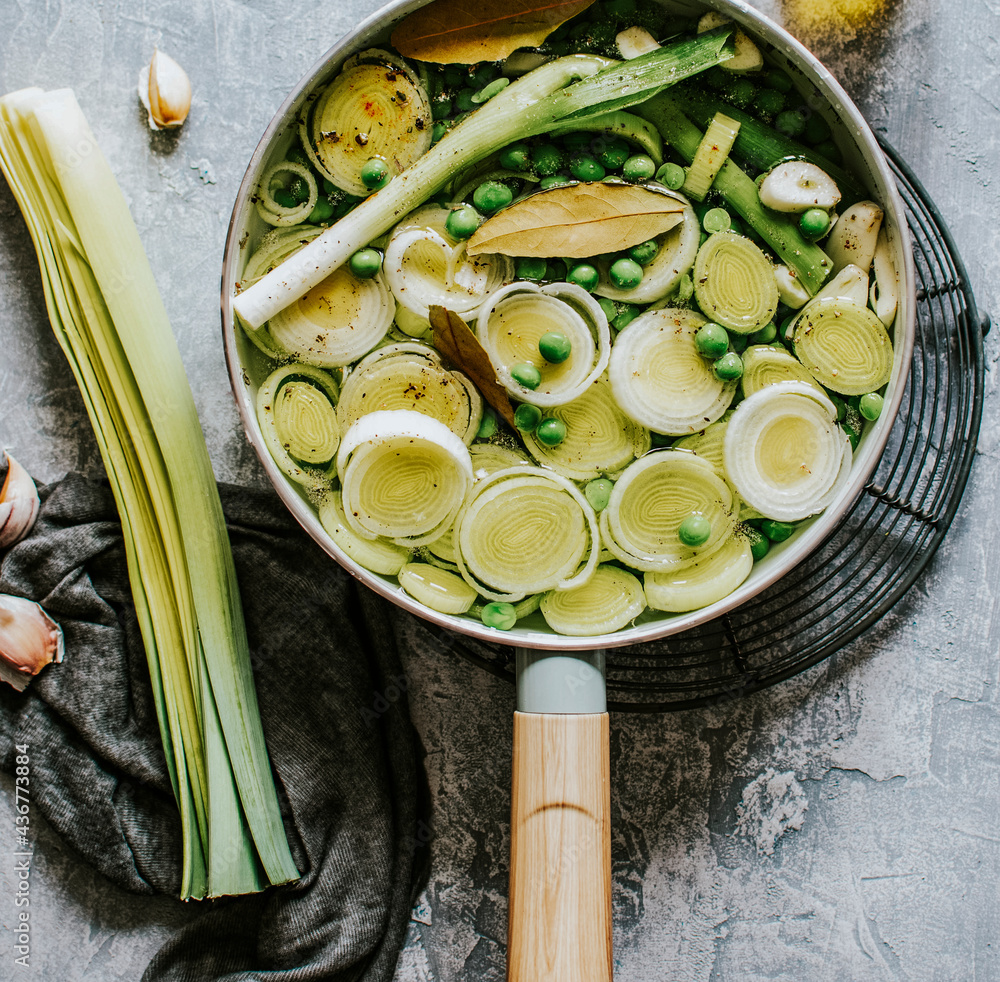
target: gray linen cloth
<point>346,759</point>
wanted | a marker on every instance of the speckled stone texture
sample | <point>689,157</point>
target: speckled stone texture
<point>841,826</point>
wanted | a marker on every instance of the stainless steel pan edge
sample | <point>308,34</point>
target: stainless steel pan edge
<point>863,155</point>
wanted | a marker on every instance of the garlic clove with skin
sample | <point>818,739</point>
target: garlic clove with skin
<point>29,640</point>
<point>18,504</point>
<point>164,91</point>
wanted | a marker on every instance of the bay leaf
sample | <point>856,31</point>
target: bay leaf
<point>465,32</point>
<point>578,221</point>
<point>457,342</point>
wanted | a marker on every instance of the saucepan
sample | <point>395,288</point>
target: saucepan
<point>560,886</point>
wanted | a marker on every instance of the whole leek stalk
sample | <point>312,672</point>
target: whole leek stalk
<point>573,88</point>
<point>109,319</point>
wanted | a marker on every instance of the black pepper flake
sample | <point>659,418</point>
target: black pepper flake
<point>361,139</point>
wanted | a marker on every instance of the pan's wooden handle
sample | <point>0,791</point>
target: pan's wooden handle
<point>559,922</point>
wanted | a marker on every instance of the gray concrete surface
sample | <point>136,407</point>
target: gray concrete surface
<point>841,826</point>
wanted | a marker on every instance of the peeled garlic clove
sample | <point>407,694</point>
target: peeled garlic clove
<point>29,640</point>
<point>797,186</point>
<point>164,91</point>
<point>18,504</point>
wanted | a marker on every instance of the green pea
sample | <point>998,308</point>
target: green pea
<point>488,91</point>
<point>546,159</point>
<point>556,270</point>
<point>711,341</point>
<point>625,316</point>
<point>777,79</point>
<point>716,220</point>
<point>766,335</point>
<point>729,367</point>
<point>792,122</point>
<point>375,173</point>
<point>462,221</point>
<point>831,151</point>
<point>441,108</point>
<point>515,157</point>
<point>527,417</point>
<point>453,76</point>
<point>438,131</point>
<point>554,347</point>
<point>626,274</point>
<point>609,308</point>
<point>741,92</point>
<point>524,373</point>
<point>639,167</point>
<point>614,155</point>
<point>483,72</point>
<point>284,197</point>
<point>738,342</point>
<point>584,275</point>
<point>760,545</point>
<point>530,268</point>
<point>769,102</point>
<point>598,493</point>
<point>322,211</point>
<point>776,531</point>
<point>870,406</point>
<point>329,187</point>
<point>586,168</point>
<point>695,530</point>
<point>491,196</point>
<point>816,130</point>
<point>299,156</point>
<point>499,615</point>
<point>487,425</point>
<point>554,181</point>
<point>550,432</point>
<point>813,223</point>
<point>672,175</point>
<point>365,263</point>
<point>645,252</point>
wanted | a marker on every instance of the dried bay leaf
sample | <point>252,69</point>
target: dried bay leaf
<point>456,341</point>
<point>468,31</point>
<point>578,221</point>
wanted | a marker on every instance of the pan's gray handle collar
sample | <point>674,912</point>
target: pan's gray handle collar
<point>553,682</point>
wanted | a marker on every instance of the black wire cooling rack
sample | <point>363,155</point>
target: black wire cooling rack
<point>879,548</point>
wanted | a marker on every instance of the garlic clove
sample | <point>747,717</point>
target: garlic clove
<point>164,91</point>
<point>29,640</point>
<point>18,504</point>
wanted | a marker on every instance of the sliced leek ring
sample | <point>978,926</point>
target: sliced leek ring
<point>526,530</point>
<point>297,413</point>
<point>404,476</point>
<point>512,323</point>
<point>785,453</point>
<point>487,458</point>
<point>375,107</point>
<point>660,380</point>
<point>336,322</point>
<point>269,209</point>
<point>376,555</point>
<point>437,588</point>
<point>410,375</point>
<point>600,438</point>
<point>678,249</point>
<point>844,346</point>
<point>703,581</point>
<point>765,364</point>
<point>650,500</point>
<point>708,443</point>
<point>425,266</point>
<point>608,601</point>
<point>734,283</point>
